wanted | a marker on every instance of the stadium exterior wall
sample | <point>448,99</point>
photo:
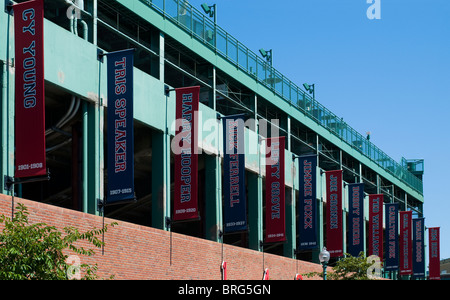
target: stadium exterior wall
<point>135,252</point>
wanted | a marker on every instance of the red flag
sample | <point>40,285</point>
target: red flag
<point>406,243</point>
<point>184,147</point>
<point>376,225</point>
<point>29,89</point>
<point>434,254</point>
<point>275,204</point>
<point>334,213</point>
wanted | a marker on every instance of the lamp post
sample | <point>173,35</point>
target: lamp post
<point>210,10</point>
<point>267,54</point>
<point>324,257</point>
<point>310,88</point>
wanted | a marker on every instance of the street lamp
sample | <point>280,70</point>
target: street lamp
<point>210,10</point>
<point>310,88</point>
<point>324,257</point>
<point>267,54</point>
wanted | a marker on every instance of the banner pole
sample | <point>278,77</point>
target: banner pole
<point>221,239</point>
<point>169,226</point>
<point>261,245</point>
<point>101,209</point>
<point>103,231</point>
<point>10,182</point>
<point>101,53</point>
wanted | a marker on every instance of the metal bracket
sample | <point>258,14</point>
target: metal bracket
<point>168,222</point>
<point>100,55</point>
<point>10,181</point>
<point>167,90</point>
<point>9,7</point>
<point>100,205</point>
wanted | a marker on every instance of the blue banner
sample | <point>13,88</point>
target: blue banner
<point>120,147</point>
<point>419,247</point>
<point>356,219</point>
<point>392,245</point>
<point>307,225</point>
<point>235,211</point>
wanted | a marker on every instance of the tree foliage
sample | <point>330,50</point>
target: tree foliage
<point>36,251</point>
<point>349,268</point>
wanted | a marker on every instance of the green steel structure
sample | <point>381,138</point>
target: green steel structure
<point>176,46</point>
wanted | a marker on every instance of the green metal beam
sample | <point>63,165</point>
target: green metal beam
<point>92,158</point>
<point>291,240</point>
<point>213,198</point>
<point>160,180</point>
<point>255,211</point>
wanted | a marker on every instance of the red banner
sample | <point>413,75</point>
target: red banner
<point>184,146</point>
<point>334,213</point>
<point>406,267</point>
<point>29,89</point>
<point>376,225</point>
<point>434,254</point>
<point>275,205</point>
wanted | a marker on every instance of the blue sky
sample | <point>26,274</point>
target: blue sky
<point>389,76</point>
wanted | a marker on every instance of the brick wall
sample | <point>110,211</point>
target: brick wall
<point>139,252</point>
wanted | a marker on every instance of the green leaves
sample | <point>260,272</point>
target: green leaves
<point>35,251</point>
<point>349,268</point>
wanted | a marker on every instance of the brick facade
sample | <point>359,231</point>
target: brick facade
<point>139,252</point>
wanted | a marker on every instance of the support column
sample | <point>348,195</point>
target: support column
<point>213,173</point>
<point>406,202</point>
<point>212,99</point>
<point>360,180</point>
<point>161,206</point>
<point>94,22</point>
<point>320,208</point>
<point>161,56</point>
<point>289,246</point>
<point>255,194</point>
<point>4,123</point>
<point>344,212</point>
<point>291,230</point>
<point>6,98</point>
<point>92,157</point>
<point>85,126</point>
<point>160,180</point>
<point>213,201</point>
<point>288,138</point>
<point>378,184</point>
<point>255,221</point>
<point>321,237</point>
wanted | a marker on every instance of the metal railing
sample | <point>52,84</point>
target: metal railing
<point>203,29</point>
